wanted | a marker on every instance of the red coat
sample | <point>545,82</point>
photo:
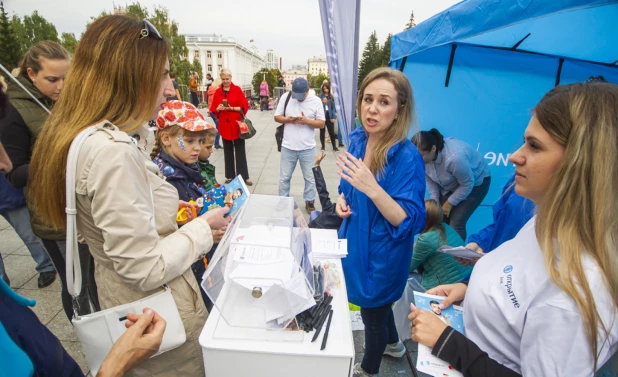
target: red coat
<point>228,127</point>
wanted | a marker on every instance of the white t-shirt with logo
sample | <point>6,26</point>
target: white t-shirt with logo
<point>300,137</point>
<point>515,313</point>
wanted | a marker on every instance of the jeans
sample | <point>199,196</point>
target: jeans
<point>195,99</point>
<point>380,330</point>
<point>20,221</point>
<point>218,137</point>
<point>288,164</point>
<point>57,251</point>
<point>263,103</point>
<point>461,212</point>
<point>235,158</point>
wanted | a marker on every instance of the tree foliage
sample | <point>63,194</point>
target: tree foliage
<point>9,44</point>
<point>169,30</point>
<point>385,55</point>
<point>410,23</point>
<point>371,58</point>
<point>69,42</point>
<point>32,29</point>
<point>271,79</point>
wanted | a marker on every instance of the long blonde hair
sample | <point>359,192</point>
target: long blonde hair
<point>577,216</point>
<point>400,128</point>
<point>114,76</point>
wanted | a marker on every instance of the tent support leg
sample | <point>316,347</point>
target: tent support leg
<point>450,65</point>
<point>403,63</point>
<point>560,63</point>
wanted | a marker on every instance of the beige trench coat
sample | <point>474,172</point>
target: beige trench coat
<point>126,213</point>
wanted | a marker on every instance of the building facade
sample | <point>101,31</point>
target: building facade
<point>271,60</point>
<point>215,52</point>
<point>292,74</point>
<point>317,65</point>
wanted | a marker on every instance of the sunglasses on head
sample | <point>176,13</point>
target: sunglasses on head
<point>149,29</point>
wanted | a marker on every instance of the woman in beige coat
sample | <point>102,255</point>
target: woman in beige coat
<point>126,211</point>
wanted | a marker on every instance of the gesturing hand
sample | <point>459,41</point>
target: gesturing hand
<point>318,159</point>
<point>426,326</point>
<point>357,173</point>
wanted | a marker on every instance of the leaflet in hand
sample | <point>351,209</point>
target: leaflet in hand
<point>232,195</point>
<point>452,316</point>
<point>460,252</point>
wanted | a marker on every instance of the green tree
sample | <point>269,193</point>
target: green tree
<point>385,54</point>
<point>317,81</point>
<point>169,30</point>
<point>33,29</point>
<point>9,44</point>
<point>371,58</point>
<point>410,23</point>
<point>271,79</point>
<point>69,42</point>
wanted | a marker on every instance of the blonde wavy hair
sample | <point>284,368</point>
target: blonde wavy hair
<point>577,216</point>
<point>114,76</point>
<point>400,128</point>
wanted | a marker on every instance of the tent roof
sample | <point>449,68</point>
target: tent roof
<point>562,28</point>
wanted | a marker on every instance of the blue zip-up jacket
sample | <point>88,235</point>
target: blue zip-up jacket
<point>330,103</point>
<point>379,254</point>
<point>511,212</point>
<point>10,197</point>
<point>187,179</point>
<point>27,347</point>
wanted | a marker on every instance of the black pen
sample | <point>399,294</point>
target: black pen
<point>322,319</point>
<point>330,317</point>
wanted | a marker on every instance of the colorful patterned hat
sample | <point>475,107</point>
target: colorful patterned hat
<point>182,114</point>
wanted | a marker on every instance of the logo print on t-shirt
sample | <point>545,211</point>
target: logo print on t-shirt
<point>508,269</point>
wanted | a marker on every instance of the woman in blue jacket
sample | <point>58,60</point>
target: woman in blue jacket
<point>331,116</point>
<point>381,202</point>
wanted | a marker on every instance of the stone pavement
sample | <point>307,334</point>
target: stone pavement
<point>263,160</point>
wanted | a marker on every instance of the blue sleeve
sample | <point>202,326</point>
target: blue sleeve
<point>407,188</point>
<point>462,171</point>
<point>485,237</point>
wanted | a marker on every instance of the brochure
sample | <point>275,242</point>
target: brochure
<point>452,316</point>
<point>232,195</point>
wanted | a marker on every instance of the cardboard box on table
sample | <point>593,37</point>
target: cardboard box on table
<point>259,279</point>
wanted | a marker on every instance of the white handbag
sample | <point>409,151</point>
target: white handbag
<point>98,331</point>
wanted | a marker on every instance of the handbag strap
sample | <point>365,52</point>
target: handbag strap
<point>285,106</point>
<point>73,269</point>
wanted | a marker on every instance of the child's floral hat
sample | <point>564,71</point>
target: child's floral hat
<point>182,114</point>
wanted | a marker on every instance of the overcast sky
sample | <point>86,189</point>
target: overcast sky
<point>290,27</point>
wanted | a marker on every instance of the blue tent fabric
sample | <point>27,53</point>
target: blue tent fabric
<point>470,82</point>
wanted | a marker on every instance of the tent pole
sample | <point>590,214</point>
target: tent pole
<point>560,63</point>
<point>450,65</point>
<point>520,42</point>
<point>403,63</point>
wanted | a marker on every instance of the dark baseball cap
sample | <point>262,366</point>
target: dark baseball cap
<point>299,88</point>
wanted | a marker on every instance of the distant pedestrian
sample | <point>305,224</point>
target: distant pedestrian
<point>211,93</point>
<point>177,96</point>
<point>303,114</point>
<point>264,93</point>
<point>331,115</point>
<point>193,89</point>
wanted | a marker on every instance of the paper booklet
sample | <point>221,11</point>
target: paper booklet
<point>460,252</point>
<point>452,316</point>
<point>232,195</point>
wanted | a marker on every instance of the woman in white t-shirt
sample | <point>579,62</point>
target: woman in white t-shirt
<point>545,303</point>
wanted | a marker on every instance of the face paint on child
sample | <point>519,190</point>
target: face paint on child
<point>181,143</point>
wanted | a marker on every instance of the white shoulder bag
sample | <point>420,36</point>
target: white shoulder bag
<point>98,331</point>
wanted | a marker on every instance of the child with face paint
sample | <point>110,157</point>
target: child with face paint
<point>181,133</point>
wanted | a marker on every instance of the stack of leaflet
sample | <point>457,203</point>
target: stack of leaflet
<point>325,244</point>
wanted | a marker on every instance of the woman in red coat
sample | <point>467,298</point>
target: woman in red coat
<point>228,115</point>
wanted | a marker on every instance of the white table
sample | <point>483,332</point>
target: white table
<point>225,357</point>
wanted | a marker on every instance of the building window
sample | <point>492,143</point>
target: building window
<point>219,54</point>
<point>197,54</point>
<point>209,54</point>
<point>209,67</point>
<point>220,67</point>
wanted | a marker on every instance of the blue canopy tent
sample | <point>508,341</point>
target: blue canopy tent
<point>478,68</point>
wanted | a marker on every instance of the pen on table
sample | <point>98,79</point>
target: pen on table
<point>330,317</point>
<point>324,310</point>
<point>318,326</point>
